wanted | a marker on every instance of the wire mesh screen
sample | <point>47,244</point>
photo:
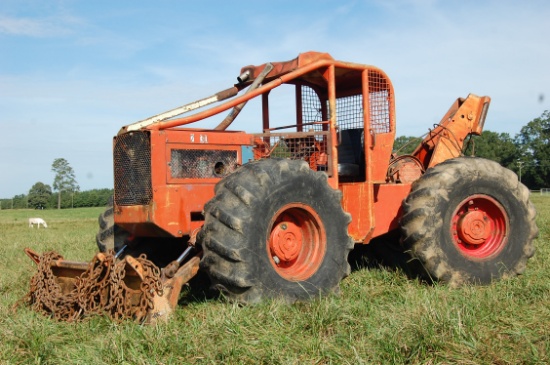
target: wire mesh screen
<point>310,147</point>
<point>201,164</point>
<point>132,163</point>
<point>379,100</point>
<point>349,112</point>
<point>311,108</point>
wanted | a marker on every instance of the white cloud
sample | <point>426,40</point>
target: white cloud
<point>119,64</point>
<point>32,27</point>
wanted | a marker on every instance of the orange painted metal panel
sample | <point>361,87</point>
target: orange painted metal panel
<point>387,206</point>
<point>464,117</point>
<point>175,211</point>
<point>355,202</point>
<point>380,156</point>
<point>313,64</point>
<point>206,137</point>
<point>177,203</point>
<point>374,204</point>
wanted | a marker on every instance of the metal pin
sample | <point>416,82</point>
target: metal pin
<point>121,251</point>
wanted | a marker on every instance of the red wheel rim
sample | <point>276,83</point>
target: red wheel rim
<point>480,227</point>
<point>296,243</point>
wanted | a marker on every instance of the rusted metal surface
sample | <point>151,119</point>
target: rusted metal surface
<point>446,140</point>
<point>308,146</point>
<point>165,304</point>
<point>184,167</point>
<point>70,291</point>
<point>404,169</point>
<point>283,68</point>
<point>311,67</point>
<point>132,169</point>
<point>331,96</point>
<point>344,127</point>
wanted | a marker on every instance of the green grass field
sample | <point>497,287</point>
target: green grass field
<point>380,316</point>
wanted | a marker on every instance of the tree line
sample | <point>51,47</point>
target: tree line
<point>527,154</point>
<point>41,197</point>
<point>64,194</point>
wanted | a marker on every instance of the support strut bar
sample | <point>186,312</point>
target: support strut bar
<point>222,95</point>
<point>237,109</point>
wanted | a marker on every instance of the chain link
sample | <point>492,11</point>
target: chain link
<point>101,289</point>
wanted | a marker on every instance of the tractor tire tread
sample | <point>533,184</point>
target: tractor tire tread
<point>232,214</point>
<point>423,219</point>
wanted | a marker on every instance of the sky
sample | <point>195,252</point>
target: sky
<point>73,72</point>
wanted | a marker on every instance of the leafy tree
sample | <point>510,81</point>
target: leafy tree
<point>499,147</point>
<point>534,141</point>
<point>39,195</point>
<point>404,145</point>
<point>64,180</point>
<point>19,201</point>
<point>93,198</point>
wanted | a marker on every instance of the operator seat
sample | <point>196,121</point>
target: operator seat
<point>350,153</point>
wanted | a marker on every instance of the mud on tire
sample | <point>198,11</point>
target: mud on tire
<point>469,220</point>
<point>275,228</point>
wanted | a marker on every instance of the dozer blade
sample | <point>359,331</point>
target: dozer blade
<point>131,288</point>
<point>67,272</point>
<point>64,271</point>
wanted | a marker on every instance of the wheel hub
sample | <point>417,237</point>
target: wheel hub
<point>480,227</point>
<point>286,241</point>
<point>296,244</point>
<point>474,228</point>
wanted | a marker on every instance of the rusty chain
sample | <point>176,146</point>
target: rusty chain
<point>45,294</point>
<point>101,289</point>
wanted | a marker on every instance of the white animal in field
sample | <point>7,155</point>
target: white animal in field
<point>38,222</point>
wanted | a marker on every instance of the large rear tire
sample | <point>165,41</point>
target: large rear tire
<point>275,228</point>
<point>110,236</point>
<point>469,220</point>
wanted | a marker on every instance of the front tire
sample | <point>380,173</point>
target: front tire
<point>275,228</point>
<point>469,220</point>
